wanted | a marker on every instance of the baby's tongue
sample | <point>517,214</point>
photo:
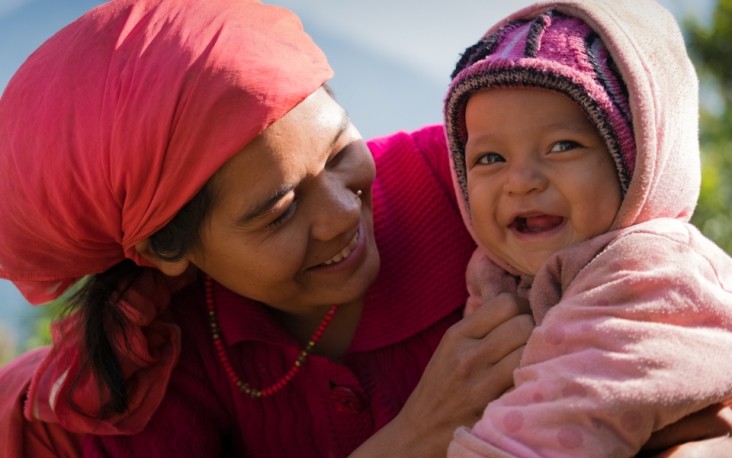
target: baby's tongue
<point>539,223</point>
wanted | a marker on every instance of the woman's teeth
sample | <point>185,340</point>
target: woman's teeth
<point>343,254</point>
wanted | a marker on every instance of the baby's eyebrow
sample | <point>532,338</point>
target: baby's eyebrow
<point>578,124</point>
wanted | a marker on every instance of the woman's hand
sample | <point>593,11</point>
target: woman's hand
<point>485,280</point>
<point>702,434</point>
<point>473,365</point>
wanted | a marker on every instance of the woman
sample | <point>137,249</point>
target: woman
<point>192,160</point>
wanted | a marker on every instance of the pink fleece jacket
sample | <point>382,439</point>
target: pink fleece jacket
<point>634,327</point>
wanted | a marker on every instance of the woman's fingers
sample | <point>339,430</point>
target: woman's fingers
<point>489,316</point>
<point>503,340</point>
<point>472,365</point>
<point>695,433</point>
<point>500,377</point>
<point>716,447</point>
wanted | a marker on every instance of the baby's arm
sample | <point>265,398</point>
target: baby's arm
<point>620,356</point>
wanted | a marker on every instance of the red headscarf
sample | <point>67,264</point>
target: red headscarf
<point>106,131</point>
<point>114,123</point>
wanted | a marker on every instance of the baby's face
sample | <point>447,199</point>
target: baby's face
<point>539,175</point>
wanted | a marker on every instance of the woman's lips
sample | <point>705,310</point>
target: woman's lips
<point>345,251</point>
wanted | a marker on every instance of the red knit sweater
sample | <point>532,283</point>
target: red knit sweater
<point>329,408</point>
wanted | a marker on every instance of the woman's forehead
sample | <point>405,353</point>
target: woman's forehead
<point>280,156</point>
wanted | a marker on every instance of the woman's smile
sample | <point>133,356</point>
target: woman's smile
<point>345,252</point>
<point>349,258</point>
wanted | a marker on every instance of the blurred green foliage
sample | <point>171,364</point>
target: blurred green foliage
<point>710,47</point>
<point>40,332</point>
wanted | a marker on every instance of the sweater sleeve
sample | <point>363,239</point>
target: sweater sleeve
<point>640,339</point>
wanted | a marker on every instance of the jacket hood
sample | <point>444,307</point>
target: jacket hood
<point>648,49</point>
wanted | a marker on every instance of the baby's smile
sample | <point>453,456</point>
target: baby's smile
<point>536,223</point>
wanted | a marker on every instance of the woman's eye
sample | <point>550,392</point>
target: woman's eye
<point>284,216</point>
<point>338,157</point>
<point>489,158</point>
<point>564,145</point>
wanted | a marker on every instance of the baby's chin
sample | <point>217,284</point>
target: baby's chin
<point>526,267</point>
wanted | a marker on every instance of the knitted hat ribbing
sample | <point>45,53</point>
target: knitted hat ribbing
<point>553,52</point>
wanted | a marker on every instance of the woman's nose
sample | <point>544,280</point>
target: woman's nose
<point>524,178</point>
<point>337,211</point>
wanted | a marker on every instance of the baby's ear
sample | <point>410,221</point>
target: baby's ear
<point>169,268</point>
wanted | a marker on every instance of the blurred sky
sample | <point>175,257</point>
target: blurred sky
<point>391,59</point>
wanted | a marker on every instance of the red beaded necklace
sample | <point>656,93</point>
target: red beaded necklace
<point>226,363</point>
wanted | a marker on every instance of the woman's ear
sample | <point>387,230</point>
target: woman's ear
<point>169,268</point>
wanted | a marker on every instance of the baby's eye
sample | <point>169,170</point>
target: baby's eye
<point>488,159</point>
<point>564,145</point>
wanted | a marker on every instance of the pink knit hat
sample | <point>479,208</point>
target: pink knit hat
<point>553,52</point>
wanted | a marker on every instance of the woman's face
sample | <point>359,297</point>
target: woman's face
<point>286,226</point>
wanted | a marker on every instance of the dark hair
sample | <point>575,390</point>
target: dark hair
<point>96,299</point>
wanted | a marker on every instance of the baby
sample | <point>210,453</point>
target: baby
<point>572,127</point>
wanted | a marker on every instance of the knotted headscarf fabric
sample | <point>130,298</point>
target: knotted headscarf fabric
<point>118,120</point>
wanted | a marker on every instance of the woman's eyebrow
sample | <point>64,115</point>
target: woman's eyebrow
<point>266,205</point>
<point>342,128</point>
<point>259,209</point>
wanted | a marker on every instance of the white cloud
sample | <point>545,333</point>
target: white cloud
<point>423,35</point>
<point>426,36</point>
<point>7,6</point>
